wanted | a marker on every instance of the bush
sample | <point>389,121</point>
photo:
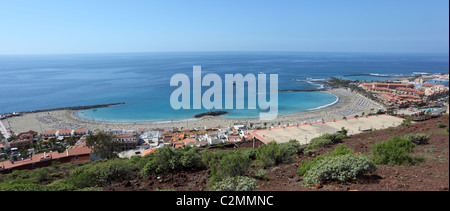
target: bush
<point>395,151</point>
<point>100,173</point>
<point>13,186</point>
<point>295,147</point>
<point>341,168</point>
<point>260,174</point>
<point>441,125</point>
<point>335,138</point>
<point>83,176</point>
<point>320,142</point>
<point>112,171</point>
<point>60,185</point>
<point>166,161</point>
<point>236,184</point>
<point>327,140</point>
<point>39,175</point>
<point>274,154</point>
<point>406,122</point>
<point>249,152</point>
<point>305,166</point>
<point>419,139</point>
<point>232,165</point>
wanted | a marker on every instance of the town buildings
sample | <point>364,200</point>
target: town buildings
<point>73,154</point>
<point>400,94</point>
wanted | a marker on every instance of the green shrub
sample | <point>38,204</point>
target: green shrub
<point>90,189</point>
<point>83,176</point>
<point>341,168</point>
<point>305,166</point>
<point>334,138</point>
<point>14,186</point>
<point>112,171</point>
<point>341,149</point>
<point>310,152</point>
<point>419,139</point>
<point>40,175</point>
<point>274,154</point>
<point>441,125</point>
<point>236,184</point>
<point>232,165</point>
<point>395,151</point>
<point>249,152</point>
<point>406,122</point>
<point>344,132</point>
<point>166,161</point>
<point>100,173</point>
<point>294,147</point>
<point>59,185</point>
<point>320,142</point>
<point>260,174</point>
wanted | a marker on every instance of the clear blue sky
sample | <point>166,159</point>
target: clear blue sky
<point>104,26</point>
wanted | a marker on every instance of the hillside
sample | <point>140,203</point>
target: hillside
<point>192,174</point>
<point>430,175</point>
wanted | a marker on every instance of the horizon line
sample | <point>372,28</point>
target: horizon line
<point>224,51</point>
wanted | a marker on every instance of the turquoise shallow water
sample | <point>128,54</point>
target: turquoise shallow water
<point>142,79</point>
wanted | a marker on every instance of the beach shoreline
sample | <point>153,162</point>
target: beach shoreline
<point>347,103</point>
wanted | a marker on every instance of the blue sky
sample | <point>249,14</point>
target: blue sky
<point>107,26</point>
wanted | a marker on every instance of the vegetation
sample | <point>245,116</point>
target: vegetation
<point>36,180</point>
<point>406,122</point>
<point>395,151</point>
<point>100,174</point>
<point>232,165</point>
<point>238,183</point>
<point>166,161</point>
<point>103,145</point>
<point>341,168</point>
<point>419,139</point>
<point>274,154</point>
<point>441,125</point>
<point>337,82</point>
<point>230,170</point>
<point>305,166</point>
<point>324,141</point>
<point>260,174</point>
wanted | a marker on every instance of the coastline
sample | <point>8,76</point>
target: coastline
<point>66,119</point>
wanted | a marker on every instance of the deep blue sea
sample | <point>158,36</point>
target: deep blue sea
<point>142,80</point>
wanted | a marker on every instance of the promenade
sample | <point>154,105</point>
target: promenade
<point>305,133</point>
<point>3,130</point>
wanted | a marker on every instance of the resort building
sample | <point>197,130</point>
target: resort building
<point>127,140</point>
<point>65,133</point>
<point>24,139</point>
<point>73,154</point>
<point>50,134</point>
<point>114,131</point>
<point>80,132</point>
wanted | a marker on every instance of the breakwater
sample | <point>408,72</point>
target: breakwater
<point>75,108</point>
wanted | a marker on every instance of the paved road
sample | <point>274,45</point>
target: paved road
<point>3,130</point>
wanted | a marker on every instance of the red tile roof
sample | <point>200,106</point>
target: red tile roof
<point>126,135</point>
<point>65,131</point>
<point>149,151</point>
<point>52,132</point>
<point>81,130</point>
<point>44,156</point>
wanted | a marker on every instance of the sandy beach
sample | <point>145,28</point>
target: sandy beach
<point>349,105</point>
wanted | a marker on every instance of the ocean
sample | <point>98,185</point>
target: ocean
<point>142,80</point>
